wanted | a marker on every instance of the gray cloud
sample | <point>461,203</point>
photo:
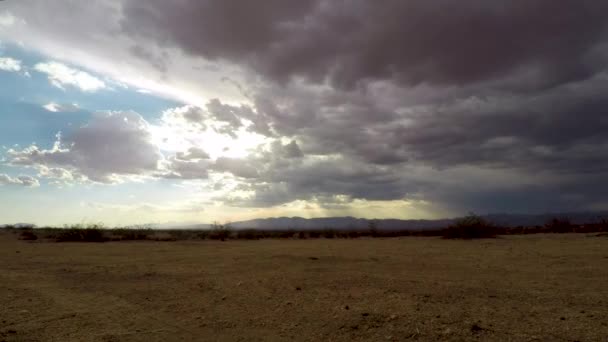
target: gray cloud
<point>192,154</point>
<point>112,144</point>
<point>441,42</point>
<point>22,180</point>
<point>177,168</point>
<point>480,105</point>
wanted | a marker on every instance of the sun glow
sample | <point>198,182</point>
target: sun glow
<point>173,139</point>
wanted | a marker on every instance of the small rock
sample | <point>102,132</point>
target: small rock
<point>563,318</point>
<point>12,331</point>
<point>365,314</point>
<point>239,283</point>
<point>224,298</point>
<point>288,303</point>
<point>17,252</point>
<point>298,288</point>
<point>313,258</point>
<point>346,307</point>
<point>393,317</point>
<point>389,337</point>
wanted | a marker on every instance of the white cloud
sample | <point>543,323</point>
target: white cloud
<point>60,75</point>
<point>10,64</point>
<point>19,180</point>
<point>7,19</point>
<point>61,107</point>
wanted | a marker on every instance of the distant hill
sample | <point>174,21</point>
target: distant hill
<point>348,222</point>
<point>299,223</point>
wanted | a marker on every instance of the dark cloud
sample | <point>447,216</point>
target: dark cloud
<point>439,42</point>
<point>379,91</point>
<point>158,61</point>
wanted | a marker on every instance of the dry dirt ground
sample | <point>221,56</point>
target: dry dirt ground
<point>515,288</point>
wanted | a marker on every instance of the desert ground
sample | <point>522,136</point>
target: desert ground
<point>543,287</point>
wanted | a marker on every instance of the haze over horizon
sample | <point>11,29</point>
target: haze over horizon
<point>128,112</point>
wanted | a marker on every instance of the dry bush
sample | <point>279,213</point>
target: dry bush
<point>28,235</point>
<point>138,232</point>
<point>81,233</point>
<point>220,231</point>
<point>559,225</point>
<point>249,234</point>
<point>470,227</point>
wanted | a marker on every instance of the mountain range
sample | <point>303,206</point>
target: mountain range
<point>348,222</point>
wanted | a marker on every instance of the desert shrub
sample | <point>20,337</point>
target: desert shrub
<point>353,234</point>
<point>180,234</point>
<point>329,233</point>
<point>79,233</point>
<point>248,234</point>
<point>287,234</point>
<point>314,234</point>
<point>559,225</point>
<point>132,233</point>
<point>219,231</point>
<point>341,234</point>
<point>202,235</point>
<point>372,225</point>
<point>28,235</point>
<point>470,227</point>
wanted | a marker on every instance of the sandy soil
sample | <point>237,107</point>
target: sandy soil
<point>516,288</point>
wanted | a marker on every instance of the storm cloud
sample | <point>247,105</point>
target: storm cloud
<point>517,88</point>
<point>469,105</point>
<point>439,42</point>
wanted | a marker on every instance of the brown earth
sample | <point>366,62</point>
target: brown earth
<point>515,288</point>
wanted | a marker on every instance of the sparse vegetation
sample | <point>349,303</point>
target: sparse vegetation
<point>28,235</point>
<point>248,234</point>
<point>470,227</point>
<point>80,233</point>
<point>132,233</point>
<point>560,225</point>
<point>220,231</point>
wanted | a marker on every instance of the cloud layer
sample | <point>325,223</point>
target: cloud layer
<point>474,105</point>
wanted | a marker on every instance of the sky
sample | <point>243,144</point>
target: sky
<point>131,112</point>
